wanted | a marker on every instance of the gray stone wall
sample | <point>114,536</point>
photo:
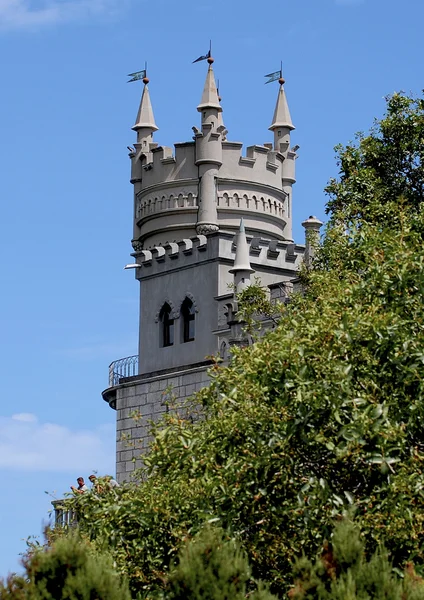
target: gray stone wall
<point>148,397</point>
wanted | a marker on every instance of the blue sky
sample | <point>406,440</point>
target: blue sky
<point>67,307</point>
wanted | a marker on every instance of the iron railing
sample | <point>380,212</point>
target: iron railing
<point>124,367</point>
<point>63,515</point>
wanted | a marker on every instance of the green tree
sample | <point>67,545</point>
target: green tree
<point>322,415</point>
<point>342,572</point>
<point>212,567</point>
<point>383,166</point>
<point>68,570</point>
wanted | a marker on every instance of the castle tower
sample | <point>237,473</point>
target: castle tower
<point>205,216</point>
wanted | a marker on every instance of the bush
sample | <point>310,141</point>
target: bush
<point>212,567</point>
<point>343,573</point>
<point>69,570</point>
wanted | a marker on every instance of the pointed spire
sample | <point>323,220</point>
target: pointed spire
<point>145,118</point>
<point>210,93</point>
<point>241,260</point>
<point>282,116</point>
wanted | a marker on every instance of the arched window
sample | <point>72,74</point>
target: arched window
<point>167,326</point>
<point>188,324</point>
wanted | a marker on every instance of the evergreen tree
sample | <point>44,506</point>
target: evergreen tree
<point>343,573</point>
<point>212,567</point>
<point>69,570</point>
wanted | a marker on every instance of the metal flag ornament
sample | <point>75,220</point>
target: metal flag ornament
<point>274,76</point>
<point>205,56</point>
<point>137,76</point>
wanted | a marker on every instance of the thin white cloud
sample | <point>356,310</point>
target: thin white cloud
<point>26,444</point>
<point>26,14</point>
<point>25,418</point>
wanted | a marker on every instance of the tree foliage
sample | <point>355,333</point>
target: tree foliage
<point>322,416</point>
<point>383,166</point>
<point>213,567</point>
<point>342,572</point>
<point>68,570</point>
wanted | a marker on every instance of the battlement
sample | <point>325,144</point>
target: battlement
<point>261,165</point>
<point>265,253</point>
<point>250,185</point>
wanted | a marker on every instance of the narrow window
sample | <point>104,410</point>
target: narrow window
<point>167,326</point>
<point>188,320</point>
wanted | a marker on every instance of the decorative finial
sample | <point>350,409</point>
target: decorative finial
<point>281,81</point>
<point>211,60</point>
<point>146,80</point>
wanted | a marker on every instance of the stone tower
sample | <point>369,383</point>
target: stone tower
<point>189,249</point>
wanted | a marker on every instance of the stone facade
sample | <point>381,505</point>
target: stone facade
<point>206,219</point>
<point>148,397</point>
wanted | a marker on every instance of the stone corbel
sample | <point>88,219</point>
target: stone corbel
<point>290,253</point>
<point>255,248</point>
<point>273,252</point>
<point>188,246</point>
<point>146,256</point>
<point>159,253</point>
<point>174,249</point>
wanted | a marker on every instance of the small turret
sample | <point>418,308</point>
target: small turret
<point>208,154</point>
<point>312,232</point>
<point>282,123</point>
<point>241,269</point>
<point>282,126</point>
<point>145,124</point>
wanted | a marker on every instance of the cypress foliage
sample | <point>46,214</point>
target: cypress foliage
<point>69,570</point>
<point>212,567</point>
<point>342,572</point>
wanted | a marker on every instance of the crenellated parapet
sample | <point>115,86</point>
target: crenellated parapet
<point>249,184</point>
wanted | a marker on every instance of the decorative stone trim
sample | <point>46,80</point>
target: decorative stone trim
<point>175,314</point>
<point>190,297</point>
<point>206,228</point>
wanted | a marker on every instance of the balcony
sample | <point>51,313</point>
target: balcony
<point>124,367</point>
<point>63,516</point>
<point>119,369</point>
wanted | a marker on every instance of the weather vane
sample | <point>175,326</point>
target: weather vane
<point>139,75</point>
<point>276,76</point>
<point>207,56</point>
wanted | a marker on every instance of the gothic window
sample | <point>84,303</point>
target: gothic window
<point>188,313</point>
<point>167,326</point>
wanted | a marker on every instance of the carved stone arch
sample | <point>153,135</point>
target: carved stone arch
<point>224,349</point>
<point>190,199</point>
<point>246,201</point>
<point>180,200</point>
<point>226,199</point>
<point>174,313</point>
<point>190,297</point>
<point>236,200</point>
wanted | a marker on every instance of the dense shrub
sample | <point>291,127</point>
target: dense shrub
<point>212,567</point>
<point>68,570</point>
<point>342,572</point>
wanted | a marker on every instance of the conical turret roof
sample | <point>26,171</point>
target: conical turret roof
<point>241,260</point>
<point>282,116</point>
<point>145,118</point>
<point>210,97</point>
